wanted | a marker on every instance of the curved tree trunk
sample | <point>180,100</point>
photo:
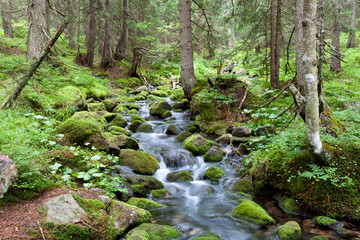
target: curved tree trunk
<point>335,65</point>
<point>107,52</point>
<point>188,79</point>
<point>36,38</point>
<point>121,47</point>
<point>6,17</point>
<point>300,46</point>
<point>351,38</point>
<point>90,42</point>
<point>135,63</point>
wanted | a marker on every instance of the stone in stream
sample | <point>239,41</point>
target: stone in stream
<point>145,128</point>
<point>119,121</point>
<point>134,125</point>
<point>182,136</point>
<point>160,193</point>
<point>122,141</point>
<point>159,108</point>
<point>145,203</point>
<point>289,231</point>
<point>197,144</point>
<point>115,130</point>
<point>8,173</point>
<point>136,117</point>
<point>140,162</point>
<point>215,154</point>
<point>121,108</point>
<point>250,211</point>
<point>224,139</point>
<point>172,130</point>
<point>214,174</point>
<point>241,132</point>
<point>183,176</point>
<point>96,107</point>
<point>148,231</point>
<point>109,104</point>
<point>324,221</point>
<point>178,158</point>
<point>206,235</point>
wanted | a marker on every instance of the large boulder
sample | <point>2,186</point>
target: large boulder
<point>141,185</point>
<point>215,154</point>
<point>123,141</point>
<point>8,173</point>
<point>241,132</point>
<point>145,203</point>
<point>140,162</point>
<point>183,176</point>
<point>110,104</point>
<point>214,174</point>
<point>119,121</point>
<point>159,108</point>
<point>70,95</point>
<point>134,125</point>
<point>182,136</point>
<point>250,211</point>
<point>289,231</point>
<point>127,216</point>
<point>91,116</point>
<point>145,128</point>
<point>96,107</point>
<point>147,231</point>
<point>197,144</point>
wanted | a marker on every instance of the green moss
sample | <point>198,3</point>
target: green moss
<point>172,130</point>
<point>155,232</point>
<point>159,193</point>
<point>145,127</point>
<point>136,117</point>
<point>72,231</point>
<point>139,190</point>
<point>177,106</point>
<point>140,97</point>
<point>206,235</point>
<point>197,144</point>
<point>125,99</point>
<point>91,116</point>
<point>215,154</point>
<point>324,221</point>
<point>123,141</point>
<point>134,125</point>
<point>319,237</point>
<point>98,91</point>
<point>183,176</point>
<point>133,111</point>
<point>288,204</point>
<point>159,108</point>
<point>242,186</point>
<point>139,161</point>
<point>109,104</point>
<point>160,93</point>
<point>119,121</point>
<point>289,231</point>
<point>192,128</point>
<point>250,211</point>
<point>89,205</point>
<point>133,106</point>
<point>214,174</point>
<point>121,108</point>
<point>182,136</point>
<point>166,115</point>
<point>79,131</point>
<point>119,130</point>
<point>95,107</point>
<point>145,203</point>
<point>68,96</point>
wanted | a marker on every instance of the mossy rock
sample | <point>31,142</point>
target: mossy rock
<point>125,99</point>
<point>197,144</point>
<point>123,141</point>
<point>136,117</point>
<point>319,237</point>
<point>64,113</point>
<point>160,93</point>
<point>185,103</point>
<point>79,131</point>
<point>110,104</point>
<point>288,204</point>
<point>182,136</point>
<point>90,116</point>
<point>215,154</point>
<point>289,231</point>
<point>139,161</point>
<point>242,186</point>
<point>224,139</point>
<point>147,183</point>
<point>159,193</point>
<point>115,130</point>
<point>192,128</point>
<point>96,107</point>
<point>121,108</point>
<point>166,115</point>
<point>159,108</point>
<point>133,106</point>
<point>98,91</point>
<point>250,211</point>
<point>145,128</point>
<point>108,116</point>
<point>134,125</point>
<point>133,111</point>
<point>172,130</point>
<point>152,98</point>
<point>69,95</point>
<point>119,121</point>
<point>214,174</point>
<point>206,235</point>
<point>324,221</point>
<point>145,203</point>
<point>183,176</point>
<point>140,97</point>
<point>177,106</point>
<point>155,232</point>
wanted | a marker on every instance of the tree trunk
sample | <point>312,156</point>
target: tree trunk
<point>321,17</point>
<point>351,38</point>
<point>6,17</point>
<point>47,16</point>
<point>121,47</point>
<point>300,46</point>
<point>335,65</point>
<point>90,42</point>
<point>273,81</point>
<point>36,38</point>
<point>188,79</point>
<point>311,86</point>
<point>71,27</point>
<point>107,52</point>
<point>135,63</point>
<point>278,46</point>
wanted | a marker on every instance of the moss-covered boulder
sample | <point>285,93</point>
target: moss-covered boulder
<point>289,231</point>
<point>215,154</point>
<point>140,97</point>
<point>172,130</point>
<point>192,128</point>
<point>115,130</point>
<point>96,107</point>
<point>139,161</point>
<point>197,144</point>
<point>183,176</point>
<point>134,125</point>
<point>242,186</point>
<point>110,104</point>
<point>159,108</point>
<point>166,115</point>
<point>145,203</point>
<point>214,174</point>
<point>141,185</point>
<point>136,117</point>
<point>288,204</point>
<point>182,136</point>
<point>176,106</point>
<point>90,116</point>
<point>123,141</point>
<point>145,128</point>
<point>121,108</point>
<point>160,93</point>
<point>132,106</point>
<point>250,211</point>
<point>98,91</point>
<point>324,221</point>
<point>79,131</point>
<point>159,193</point>
<point>319,237</point>
<point>206,235</point>
<point>119,121</point>
<point>241,132</point>
<point>133,111</point>
<point>108,116</point>
<point>224,139</point>
<point>127,216</point>
<point>125,99</point>
<point>69,95</point>
<point>153,232</point>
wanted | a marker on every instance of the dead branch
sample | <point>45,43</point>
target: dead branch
<point>41,230</point>
<point>243,100</point>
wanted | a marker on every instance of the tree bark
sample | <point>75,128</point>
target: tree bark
<point>47,16</point>
<point>351,38</point>
<point>36,38</point>
<point>276,84</point>
<point>6,17</point>
<point>121,47</point>
<point>335,65</point>
<point>188,79</point>
<point>72,20</point>
<point>300,46</point>
<point>311,87</point>
<point>90,42</point>
<point>273,80</point>
<point>135,63</point>
<point>107,50</point>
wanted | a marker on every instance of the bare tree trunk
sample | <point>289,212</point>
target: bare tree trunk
<point>335,65</point>
<point>311,86</point>
<point>351,38</point>
<point>47,16</point>
<point>107,52</point>
<point>90,42</point>
<point>121,47</point>
<point>273,80</point>
<point>36,38</point>
<point>321,17</point>
<point>6,17</point>
<point>72,22</point>
<point>278,46</point>
<point>188,79</point>
<point>300,46</point>
<point>100,37</point>
<point>135,63</point>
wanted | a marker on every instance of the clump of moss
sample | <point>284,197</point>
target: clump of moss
<point>197,144</point>
<point>215,154</point>
<point>119,130</point>
<point>159,108</point>
<point>145,203</point>
<point>139,161</point>
<point>214,174</point>
<point>159,193</point>
<point>288,204</point>
<point>242,186</point>
<point>155,232</point>
<point>183,176</point>
<point>206,235</point>
<point>289,231</point>
<point>145,127</point>
<point>79,130</point>
<point>135,117</point>
<point>182,136</point>
<point>324,221</point>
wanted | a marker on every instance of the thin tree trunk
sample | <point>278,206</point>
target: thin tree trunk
<point>300,46</point>
<point>121,47</point>
<point>36,38</point>
<point>278,46</point>
<point>188,79</point>
<point>335,65</point>
<point>47,16</point>
<point>311,86</point>
<point>273,80</point>
<point>72,21</point>
<point>90,43</point>
<point>135,63</point>
<point>107,52</point>
<point>351,38</point>
<point>321,16</point>
<point>6,17</point>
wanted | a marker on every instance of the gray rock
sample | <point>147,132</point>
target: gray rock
<point>241,132</point>
<point>63,209</point>
<point>8,173</point>
<point>265,131</point>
